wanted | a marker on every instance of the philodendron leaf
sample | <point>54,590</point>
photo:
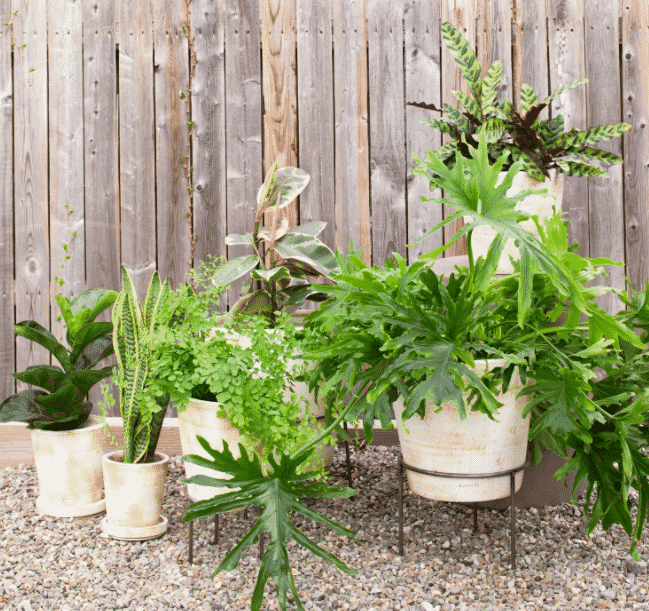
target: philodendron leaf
<point>84,308</point>
<point>31,330</point>
<point>235,269</point>
<point>278,496</point>
<point>309,250</point>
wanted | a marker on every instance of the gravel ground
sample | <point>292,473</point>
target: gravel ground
<point>62,564</point>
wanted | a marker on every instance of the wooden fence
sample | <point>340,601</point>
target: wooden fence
<point>138,131</point>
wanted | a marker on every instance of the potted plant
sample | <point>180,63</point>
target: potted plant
<point>68,442</point>
<point>231,381</point>
<point>544,149</point>
<point>135,477</point>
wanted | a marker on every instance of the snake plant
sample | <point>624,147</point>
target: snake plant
<point>133,326</point>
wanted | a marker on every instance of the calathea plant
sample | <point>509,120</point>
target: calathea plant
<point>402,330</point>
<point>133,329</point>
<point>283,259</point>
<point>538,145</point>
<point>58,403</point>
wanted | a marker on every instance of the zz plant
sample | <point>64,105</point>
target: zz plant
<point>539,145</point>
<point>58,404</point>
<point>283,259</point>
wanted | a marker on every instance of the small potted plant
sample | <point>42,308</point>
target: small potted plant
<point>135,477</point>
<point>68,442</point>
<point>544,150</point>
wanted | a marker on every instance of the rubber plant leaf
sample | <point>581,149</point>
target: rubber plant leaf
<point>35,332</point>
<point>235,269</point>
<point>289,183</point>
<point>278,495</point>
<point>313,229</point>
<point>309,250</point>
<point>234,239</point>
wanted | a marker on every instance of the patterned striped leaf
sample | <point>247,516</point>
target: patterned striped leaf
<point>465,58</point>
<point>468,102</point>
<point>490,85</point>
<point>574,168</point>
<point>528,97</point>
<point>591,136</point>
<point>587,152</point>
<point>455,117</point>
<point>440,124</point>
<point>528,165</point>
<point>549,131</point>
<point>555,94</point>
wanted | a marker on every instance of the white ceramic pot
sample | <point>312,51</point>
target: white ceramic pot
<point>200,419</point>
<point>134,493</point>
<point>444,443</point>
<point>68,463</point>
<point>540,205</point>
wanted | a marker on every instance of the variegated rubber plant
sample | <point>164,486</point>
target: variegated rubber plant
<point>283,259</point>
<point>540,145</point>
<point>133,326</point>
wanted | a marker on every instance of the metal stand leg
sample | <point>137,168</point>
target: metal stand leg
<point>512,532</point>
<point>349,465</point>
<point>400,506</point>
<point>216,530</point>
<point>475,518</point>
<point>245,513</point>
<point>191,542</point>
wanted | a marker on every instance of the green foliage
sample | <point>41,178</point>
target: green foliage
<point>538,145</point>
<point>278,495</point>
<point>63,407</point>
<point>133,328</point>
<point>283,259</point>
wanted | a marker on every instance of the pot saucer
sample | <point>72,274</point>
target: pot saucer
<point>135,533</point>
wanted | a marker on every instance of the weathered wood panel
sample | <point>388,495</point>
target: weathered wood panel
<point>243,104</point>
<point>171,78</point>
<point>462,14</point>
<point>566,41</point>
<point>387,133</point>
<point>423,72</point>
<point>494,34</point>
<point>30,176</point>
<point>316,114</point>
<point>635,110</point>
<point>137,151</point>
<point>279,86</point>
<point>7,295</point>
<point>67,206</point>
<point>605,205</point>
<point>351,184</point>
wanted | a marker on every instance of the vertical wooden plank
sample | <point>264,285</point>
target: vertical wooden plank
<point>243,105</point>
<point>30,176</point>
<point>171,75</point>
<point>605,205</point>
<point>530,49</point>
<point>136,133</point>
<point>635,110</point>
<point>494,34</point>
<point>423,81</point>
<point>315,113</point>
<point>387,137</point>
<point>566,44</point>
<point>102,214</point>
<point>462,14</point>
<point>351,188</point>
<point>66,155</point>
<point>279,87</point>
<point>7,296</point>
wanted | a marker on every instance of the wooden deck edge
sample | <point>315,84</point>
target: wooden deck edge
<point>16,443</point>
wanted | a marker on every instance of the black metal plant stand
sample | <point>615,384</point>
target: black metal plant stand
<point>511,472</point>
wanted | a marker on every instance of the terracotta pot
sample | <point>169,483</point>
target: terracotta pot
<point>134,493</point>
<point>444,443</point>
<point>68,464</point>
<point>540,205</point>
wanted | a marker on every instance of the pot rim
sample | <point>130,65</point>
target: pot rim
<point>108,458</point>
<point>88,425</point>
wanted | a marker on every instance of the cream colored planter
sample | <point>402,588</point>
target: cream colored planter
<point>200,419</point>
<point>477,445</point>
<point>540,205</point>
<point>134,494</point>
<point>68,464</point>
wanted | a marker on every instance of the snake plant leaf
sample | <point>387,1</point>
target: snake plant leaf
<point>289,183</point>
<point>278,496</point>
<point>235,269</point>
<point>465,58</point>
<point>309,250</point>
<point>35,332</point>
<point>48,377</point>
